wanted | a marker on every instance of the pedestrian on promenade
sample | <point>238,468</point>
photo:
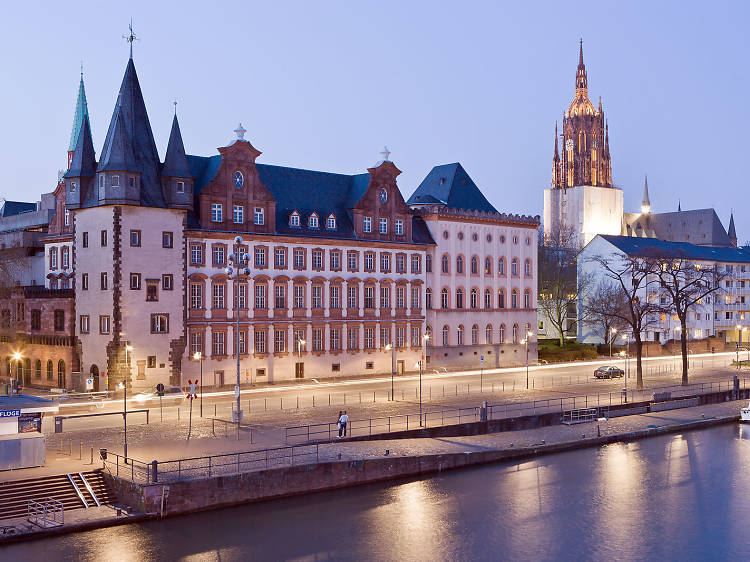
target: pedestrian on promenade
<point>338,422</point>
<point>343,419</point>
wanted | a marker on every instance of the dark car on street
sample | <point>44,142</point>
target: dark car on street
<point>607,372</point>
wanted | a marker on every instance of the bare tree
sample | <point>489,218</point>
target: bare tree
<point>686,284</point>
<point>632,277</point>
<point>605,308</point>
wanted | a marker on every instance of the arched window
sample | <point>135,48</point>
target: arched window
<point>428,263</point>
<point>474,334</point>
<point>446,335</point>
<point>515,333</point>
<point>53,258</point>
<point>474,298</point>
<point>460,335</point>
<point>501,334</point>
<point>514,267</point>
<point>527,299</point>
<point>65,257</point>
<point>527,268</point>
<point>428,298</point>
<point>50,370</point>
<point>61,374</point>
<point>487,298</point>
<point>444,298</point>
<point>38,369</point>
<point>460,264</point>
<point>501,266</point>
<point>459,298</point>
<point>514,298</point>
<point>488,334</point>
<point>444,264</point>
<point>474,265</point>
<point>487,265</point>
<point>501,298</point>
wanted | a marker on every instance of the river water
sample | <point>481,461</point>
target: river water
<point>676,497</point>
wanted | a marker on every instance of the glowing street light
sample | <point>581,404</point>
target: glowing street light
<point>17,358</point>
<point>525,341</point>
<point>612,336</point>
<point>238,265</point>
<point>198,356</point>
<point>124,386</point>
<point>392,349</point>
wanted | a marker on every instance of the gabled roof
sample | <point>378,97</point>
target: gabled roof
<point>451,186</point>
<point>175,162</point>
<point>81,111</point>
<point>11,208</point>
<point>655,248</point>
<point>83,163</point>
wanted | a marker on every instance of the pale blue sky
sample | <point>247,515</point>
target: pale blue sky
<point>324,85</point>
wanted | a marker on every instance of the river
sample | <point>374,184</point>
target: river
<point>676,497</point>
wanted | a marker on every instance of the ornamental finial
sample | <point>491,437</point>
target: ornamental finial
<point>240,132</point>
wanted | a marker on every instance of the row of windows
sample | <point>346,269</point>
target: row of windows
<point>488,266</point>
<point>475,237</point>
<point>114,181</point>
<point>152,285</point>
<point>22,370</point>
<point>299,298</point>
<point>488,334</point>
<point>58,322</point>
<point>338,340</point>
<point>474,298</point>
<point>167,239</point>
<point>238,214</point>
<point>64,258</point>
<point>385,261</point>
<point>159,324</point>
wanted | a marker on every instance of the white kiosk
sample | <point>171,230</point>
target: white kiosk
<point>22,443</point>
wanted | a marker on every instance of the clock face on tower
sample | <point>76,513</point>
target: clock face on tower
<point>238,179</point>
<point>383,195</point>
<point>569,144</point>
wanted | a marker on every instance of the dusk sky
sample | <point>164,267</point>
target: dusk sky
<point>324,85</point>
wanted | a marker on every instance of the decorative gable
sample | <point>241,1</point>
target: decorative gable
<point>383,204</point>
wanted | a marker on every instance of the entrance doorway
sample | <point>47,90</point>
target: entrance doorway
<point>218,379</point>
<point>94,372</point>
<point>400,366</point>
<point>299,370</point>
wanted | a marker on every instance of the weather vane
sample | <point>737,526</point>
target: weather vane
<point>130,38</point>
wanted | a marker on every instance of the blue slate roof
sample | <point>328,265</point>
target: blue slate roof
<point>83,163</point>
<point>450,185</point>
<point>11,208</point>
<point>175,161</point>
<point>655,248</point>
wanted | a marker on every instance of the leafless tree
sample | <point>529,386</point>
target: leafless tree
<point>686,284</point>
<point>605,308</point>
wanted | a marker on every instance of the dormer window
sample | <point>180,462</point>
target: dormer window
<point>180,187</point>
<point>115,181</point>
<point>258,216</point>
<point>294,219</point>
<point>312,222</point>
<point>72,186</point>
<point>331,222</point>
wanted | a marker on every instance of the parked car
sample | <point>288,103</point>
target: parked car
<point>607,372</point>
<point>172,395</point>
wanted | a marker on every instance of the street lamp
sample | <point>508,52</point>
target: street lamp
<point>237,266</point>
<point>612,336</point>
<point>425,339</point>
<point>739,343</point>
<point>525,341</point>
<point>124,387</point>
<point>625,355</point>
<point>300,343</point>
<point>198,356</point>
<point>13,387</point>
<point>392,349</point>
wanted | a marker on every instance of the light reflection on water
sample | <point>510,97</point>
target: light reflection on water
<point>672,497</point>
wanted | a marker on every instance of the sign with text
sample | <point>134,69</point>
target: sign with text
<point>10,413</point>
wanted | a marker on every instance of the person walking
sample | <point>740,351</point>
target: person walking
<point>338,422</point>
<point>343,419</point>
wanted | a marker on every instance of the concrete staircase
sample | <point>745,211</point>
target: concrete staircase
<point>70,489</point>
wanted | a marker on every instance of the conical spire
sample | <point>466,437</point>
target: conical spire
<point>556,156</point>
<point>82,110</point>
<point>175,162</point>
<point>645,204</point>
<point>732,233</point>
<point>117,154</point>
<point>83,160</point>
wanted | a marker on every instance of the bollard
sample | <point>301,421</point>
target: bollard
<point>92,456</point>
<point>155,471</point>
<point>80,450</point>
<point>214,409</point>
<point>178,413</point>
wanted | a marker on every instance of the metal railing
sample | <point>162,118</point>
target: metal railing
<point>124,467</point>
<point>45,513</point>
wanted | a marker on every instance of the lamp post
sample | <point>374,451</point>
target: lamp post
<point>13,387</point>
<point>739,343</point>
<point>612,336</point>
<point>124,387</point>
<point>198,356</point>
<point>625,355</point>
<point>392,349</point>
<point>526,343</point>
<point>425,339</point>
<point>237,266</point>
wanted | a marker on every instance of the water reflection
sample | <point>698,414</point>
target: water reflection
<point>671,497</point>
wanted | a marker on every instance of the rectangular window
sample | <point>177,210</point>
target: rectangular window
<point>385,297</point>
<point>166,282</point>
<point>279,341</point>
<point>399,226</point>
<point>416,298</point>
<point>260,296</point>
<point>260,341</point>
<point>335,296</point>
<point>260,257</point>
<point>151,361</point>
<point>218,295</point>
<point>104,238</point>
<point>400,300</point>
<point>335,259</point>
<point>103,281</point>
<point>369,261</point>
<point>67,212</point>
<point>84,324</point>
<point>258,216</point>
<point>369,297</point>
<point>352,297</point>
<point>335,339</point>
<point>279,296</point>
<point>53,258</point>
<point>85,239</point>
<point>85,281</point>
<point>317,339</point>
<point>180,187</point>
<point>167,239</point>
<point>383,224</point>
<point>238,214</point>
<point>352,260</point>
<point>115,181</point>
<point>36,319</point>
<point>299,296</point>
<point>196,295</point>
<point>280,258</point>
<point>218,344</point>
<point>65,258</point>
<point>352,338</point>
<point>400,336</point>
<point>217,212</point>
<point>131,181</point>
<point>219,255</point>
<point>400,263</point>
<point>415,336</point>
<point>385,261</point>
<point>299,258</point>
<point>159,323</point>
<point>240,297</point>
<point>243,342</point>
<point>369,338</point>
<point>317,296</point>
<point>367,224</point>
<point>135,281</point>
<point>385,336</point>
<point>152,290</point>
<point>294,220</point>
<point>196,343</point>
<point>416,264</point>
<point>104,324</point>
<point>317,259</point>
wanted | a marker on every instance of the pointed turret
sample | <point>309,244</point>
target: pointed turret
<point>645,204</point>
<point>556,163</point>
<point>82,166</point>
<point>175,175</point>
<point>732,233</point>
<point>679,207</point>
<point>581,81</point>
<point>81,111</point>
